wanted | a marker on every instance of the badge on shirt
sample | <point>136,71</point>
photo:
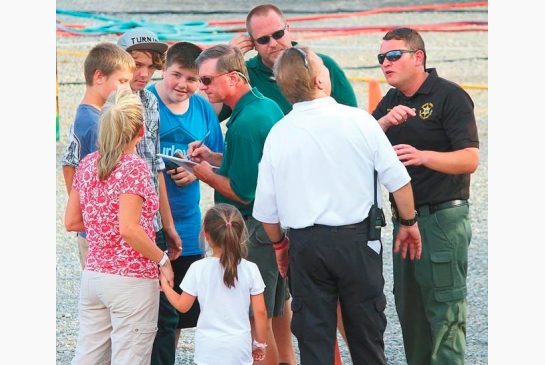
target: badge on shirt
<point>426,110</point>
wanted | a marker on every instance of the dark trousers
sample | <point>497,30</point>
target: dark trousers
<point>164,345</point>
<point>330,264</point>
<point>169,320</point>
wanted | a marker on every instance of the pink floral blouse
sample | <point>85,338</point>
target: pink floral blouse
<point>108,252</point>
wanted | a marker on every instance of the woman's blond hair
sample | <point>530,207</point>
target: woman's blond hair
<point>121,120</point>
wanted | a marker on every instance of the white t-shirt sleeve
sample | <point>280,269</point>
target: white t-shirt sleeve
<point>189,282</point>
<point>257,286</point>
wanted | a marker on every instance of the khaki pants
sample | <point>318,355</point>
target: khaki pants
<point>117,319</point>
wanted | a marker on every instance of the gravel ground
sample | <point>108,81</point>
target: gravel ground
<point>458,56</point>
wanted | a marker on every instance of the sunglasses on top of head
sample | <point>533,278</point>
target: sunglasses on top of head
<point>393,55</point>
<point>276,36</point>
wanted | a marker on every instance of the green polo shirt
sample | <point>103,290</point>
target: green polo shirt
<point>250,123</point>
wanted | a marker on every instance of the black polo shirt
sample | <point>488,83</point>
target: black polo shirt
<point>444,122</point>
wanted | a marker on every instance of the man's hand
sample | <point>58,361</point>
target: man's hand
<point>281,253</point>
<point>409,155</point>
<point>408,237</point>
<point>396,116</point>
<point>204,171</point>
<point>174,242</point>
<point>181,176</point>
<point>198,152</point>
<point>243,42</point>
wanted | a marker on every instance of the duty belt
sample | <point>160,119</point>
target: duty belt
<point>427,209</point>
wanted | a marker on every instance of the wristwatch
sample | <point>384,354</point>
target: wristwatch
<point>409,222</point>
<point>163,260</point>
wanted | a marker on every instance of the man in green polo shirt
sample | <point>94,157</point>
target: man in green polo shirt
<point>224,78</point>
<point>269,36</point>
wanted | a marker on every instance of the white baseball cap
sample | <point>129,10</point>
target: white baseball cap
<point>141,39</point>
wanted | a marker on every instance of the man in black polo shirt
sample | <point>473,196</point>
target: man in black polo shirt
<point>431,124</point>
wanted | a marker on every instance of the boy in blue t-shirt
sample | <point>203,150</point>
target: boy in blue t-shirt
<point>185,117</point>
<point>106,67</point>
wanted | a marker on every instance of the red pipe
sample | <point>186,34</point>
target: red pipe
<point>366,12</point>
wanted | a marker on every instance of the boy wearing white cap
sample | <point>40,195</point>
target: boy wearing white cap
<point>149,56</point>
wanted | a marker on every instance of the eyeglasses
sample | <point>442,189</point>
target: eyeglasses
<point>207,80</point>
<point>276,36</point>
<point>393,55</point>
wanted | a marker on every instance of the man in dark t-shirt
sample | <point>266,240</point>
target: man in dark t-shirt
<point>431,125</point>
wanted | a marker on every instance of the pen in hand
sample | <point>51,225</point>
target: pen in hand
<point>199,144</point>
<point>202,140</point>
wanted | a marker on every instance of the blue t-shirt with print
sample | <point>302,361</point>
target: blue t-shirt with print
<point>176,131</point>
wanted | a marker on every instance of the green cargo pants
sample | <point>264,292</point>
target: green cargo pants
<point>430,293</point>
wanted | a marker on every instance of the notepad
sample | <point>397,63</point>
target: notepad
<point>181,162</point>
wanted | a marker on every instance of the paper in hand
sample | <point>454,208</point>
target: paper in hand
<point>182,162</point>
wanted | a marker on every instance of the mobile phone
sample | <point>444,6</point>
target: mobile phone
<point>170,165</point>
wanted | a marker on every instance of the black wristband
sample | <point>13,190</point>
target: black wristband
<point>409,222</point>
<point>281,239</point>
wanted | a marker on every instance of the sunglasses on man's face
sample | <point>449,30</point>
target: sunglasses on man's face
<point>393,55</point>
<point>207,80</point>
<point>276,36</point>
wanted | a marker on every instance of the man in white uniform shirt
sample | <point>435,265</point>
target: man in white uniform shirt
<point>316,178</point>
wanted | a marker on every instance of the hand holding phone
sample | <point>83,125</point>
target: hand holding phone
<point>170,165</point>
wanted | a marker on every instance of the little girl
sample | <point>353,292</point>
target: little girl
<point>225,285</point>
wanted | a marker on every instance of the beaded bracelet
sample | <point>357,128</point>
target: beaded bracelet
<point>259,345</point>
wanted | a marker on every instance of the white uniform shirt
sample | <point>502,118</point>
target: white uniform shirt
<point>223,334</point>
<point>318,164</point>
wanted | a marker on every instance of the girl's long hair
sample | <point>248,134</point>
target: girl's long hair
<point>121,120</point>
<point>226,229</point>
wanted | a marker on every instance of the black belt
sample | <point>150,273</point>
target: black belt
<point>427,209</point>
<point>362,224</point>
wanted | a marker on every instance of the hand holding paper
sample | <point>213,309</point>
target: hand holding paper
<point>181,162</point>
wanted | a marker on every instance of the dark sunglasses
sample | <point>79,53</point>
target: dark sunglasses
<point>207,80</point>
<point>393,55</point>
<point>276,36</point>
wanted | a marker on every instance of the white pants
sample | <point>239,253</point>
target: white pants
<point>117,318</point>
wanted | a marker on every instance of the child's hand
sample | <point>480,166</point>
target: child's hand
<point>164,281</point>
<point>166,273</point>
<point>258,354</point>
